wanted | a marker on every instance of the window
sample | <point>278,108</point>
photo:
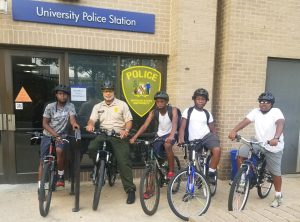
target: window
<point>89,71</point>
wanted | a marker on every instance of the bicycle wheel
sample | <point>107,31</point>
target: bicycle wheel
<point>266,183</point>
<point>213,187</point>
<point>149,191</point>
<point>99,184</point>
<point>45,190</point>
<point>239,191</point>
<point>112,173</point>
<point>192,198</point>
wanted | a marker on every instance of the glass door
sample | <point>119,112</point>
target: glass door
<point>32,77</point>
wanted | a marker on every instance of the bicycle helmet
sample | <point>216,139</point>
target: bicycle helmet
<point>161,95</point>
<point>63,88</point>
<point>107,84</point>
<point>200,92</point>
<point>266,96</point>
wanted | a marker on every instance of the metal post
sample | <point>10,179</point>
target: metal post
<point>77,169</point>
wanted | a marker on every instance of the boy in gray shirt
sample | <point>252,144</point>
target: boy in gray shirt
<point>55,120</point>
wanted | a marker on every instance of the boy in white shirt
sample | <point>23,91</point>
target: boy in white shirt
<point>269,124</point>
<point>198,123</point>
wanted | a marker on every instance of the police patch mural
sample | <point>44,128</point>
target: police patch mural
<point>139,84</point>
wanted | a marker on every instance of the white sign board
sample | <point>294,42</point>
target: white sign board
<point>78,94</point>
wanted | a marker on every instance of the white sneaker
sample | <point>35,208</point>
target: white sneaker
<point>277,201</point>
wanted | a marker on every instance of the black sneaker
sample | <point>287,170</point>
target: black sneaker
<point>212,178</point>
<point>131,197</point>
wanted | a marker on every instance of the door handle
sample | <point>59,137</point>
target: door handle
<point>1,122</point>
<point>11,122</point>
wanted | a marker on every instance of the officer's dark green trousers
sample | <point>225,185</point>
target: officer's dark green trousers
<point>121,152</point>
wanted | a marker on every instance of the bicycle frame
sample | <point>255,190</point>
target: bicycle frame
<point>190,187</point>
<point>153,161</point>
<point>252,169</point>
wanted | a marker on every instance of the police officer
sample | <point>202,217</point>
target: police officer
<point>114,114</point>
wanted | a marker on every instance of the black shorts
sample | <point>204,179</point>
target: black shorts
<point>159,148</point>
<point>210,141</point>
<point>45,143</point>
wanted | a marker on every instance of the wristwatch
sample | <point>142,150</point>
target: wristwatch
<point>276,137</point>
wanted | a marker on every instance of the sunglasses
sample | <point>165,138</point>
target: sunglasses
<point>264,102</point>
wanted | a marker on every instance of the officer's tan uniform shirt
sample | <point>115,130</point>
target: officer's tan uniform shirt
<point>113,116</point>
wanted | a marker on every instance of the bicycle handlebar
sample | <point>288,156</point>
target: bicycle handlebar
<point>239,138</point>
<point>148,142</point>
<point>106,132</point>
<point>39,135</point>
<point>190,143</point>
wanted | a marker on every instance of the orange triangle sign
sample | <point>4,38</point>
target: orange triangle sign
<point>23,97</point>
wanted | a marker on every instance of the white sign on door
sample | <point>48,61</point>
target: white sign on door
<point>78,94</point>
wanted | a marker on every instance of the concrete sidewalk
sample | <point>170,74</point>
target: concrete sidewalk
<point>20,203</point>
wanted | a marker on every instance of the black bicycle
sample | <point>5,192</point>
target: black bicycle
<point>203,161</point>
<point>105,165</point>
<point>49,172</point>
<point>154,176</point>
<point>252,173</point>
<point>189,192</point>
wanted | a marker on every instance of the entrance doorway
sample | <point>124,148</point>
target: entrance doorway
<point>31,78</point>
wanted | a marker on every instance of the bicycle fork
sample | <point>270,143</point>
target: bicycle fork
<point>190,188</point>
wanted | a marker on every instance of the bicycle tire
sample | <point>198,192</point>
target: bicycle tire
<point>45,194</point>
<point>236,188</point>
<point>201,184</point>
<point>213,187</point>
<point>112,173</point>
<point>99,184</point>
<point>144,183</point>
<point>264,190</point>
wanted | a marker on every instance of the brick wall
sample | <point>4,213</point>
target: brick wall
<point>248,33</point>
<point>192,49</point>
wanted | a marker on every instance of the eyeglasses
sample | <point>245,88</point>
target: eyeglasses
<point>264,102</point>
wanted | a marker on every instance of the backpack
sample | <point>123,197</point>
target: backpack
<point>170,113</point>
<point>189,113</point>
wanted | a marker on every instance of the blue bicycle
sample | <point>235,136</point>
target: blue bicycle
<point>189,192</point>
<point>252,173</point>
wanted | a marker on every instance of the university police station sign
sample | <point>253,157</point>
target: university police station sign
<point>76,15</point>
